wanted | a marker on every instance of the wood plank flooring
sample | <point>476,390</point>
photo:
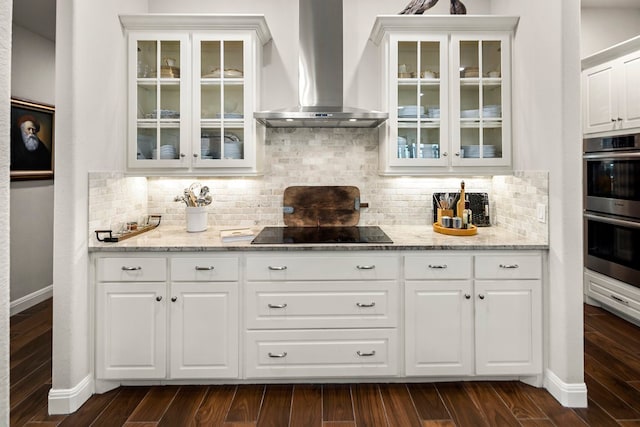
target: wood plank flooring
<point>612,374</point>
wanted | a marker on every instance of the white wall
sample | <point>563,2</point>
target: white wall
<point>547,136</point>
<point>5,90</point>
<point>31,238</point>
<point>90,135</point>
<point>605,27</point>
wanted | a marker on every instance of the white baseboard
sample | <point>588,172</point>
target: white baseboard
<point>66,401</point>
<point>569,395</point>
<point>28,301</point>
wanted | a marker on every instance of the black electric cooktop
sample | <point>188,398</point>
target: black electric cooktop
<point>302,235</point>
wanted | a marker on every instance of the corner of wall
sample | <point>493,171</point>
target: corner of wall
<point>66,401</point>
<point>569,395</point>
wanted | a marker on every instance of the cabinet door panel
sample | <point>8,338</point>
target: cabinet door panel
<point>204,330</point>
<point>630,93</point>
<point>439,328</point>
<point>508,321</point>
<point>600,107</point>
<point>131,333</point>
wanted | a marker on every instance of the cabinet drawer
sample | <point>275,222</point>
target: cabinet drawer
<point>321,353</point>
<point>508,266</point>
<point>613,293</point>
<point>319,267</point>
<point>437,267</point>
<point>321,305</point>
<point>204,269</point>
<point>132,269</point>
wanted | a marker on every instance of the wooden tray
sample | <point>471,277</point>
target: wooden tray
<point>110,237</point>
<point>324,206</point>
<point>455,231</point>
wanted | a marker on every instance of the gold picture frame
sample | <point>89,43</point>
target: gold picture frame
<point>32,134</point>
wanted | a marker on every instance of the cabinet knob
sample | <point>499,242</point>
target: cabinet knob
<point>467,296</point>
<point>481,296</point>
<point>458,154</point>
<point>195,155</point>
<point>174,299</point>
<point>183,155</point>
<point>445,154</point>
<point>613,120</point>
<point>159,298</point>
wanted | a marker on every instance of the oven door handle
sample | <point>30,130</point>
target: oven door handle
<point>613,221</point>
<point>610,155</point>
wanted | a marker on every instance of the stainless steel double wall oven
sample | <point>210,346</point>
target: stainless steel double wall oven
<point>612,206</point>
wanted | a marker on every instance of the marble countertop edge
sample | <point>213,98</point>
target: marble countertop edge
<point>405,238</point>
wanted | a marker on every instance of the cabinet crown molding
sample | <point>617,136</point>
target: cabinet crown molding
<point>446,23</point>
<point>610,53</point>
<point>170,21</point>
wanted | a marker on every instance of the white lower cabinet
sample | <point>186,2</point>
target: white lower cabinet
<point>319,315</point>
<point>464,322</point>
<point>204,330</point>
<point>131,330</point>
<point>301,311</point>
<point>181,328</point>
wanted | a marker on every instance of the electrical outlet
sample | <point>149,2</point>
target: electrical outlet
<point>541,212</point>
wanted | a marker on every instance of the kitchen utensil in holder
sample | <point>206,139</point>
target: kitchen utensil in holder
<point>196,218</point>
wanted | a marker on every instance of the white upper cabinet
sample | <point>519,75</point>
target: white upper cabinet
<point>611,89</point>
<point>193,86</point>
<point>447,87</point>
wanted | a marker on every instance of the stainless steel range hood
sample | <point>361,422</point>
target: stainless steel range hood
<point>320,80</point>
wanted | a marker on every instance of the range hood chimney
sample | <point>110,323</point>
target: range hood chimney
<point>320,77</point>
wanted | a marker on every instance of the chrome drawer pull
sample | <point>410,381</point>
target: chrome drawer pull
<point>438,266</point>
<point>278,305</point>
<point>509,266</point>
<point>277,267</point>
<point>278,355</point>
<point>361,354</point>
<point>125,268</point>
<point>359,304</point>
<point>615,298</point>
<point>365,267</point>
<point>198,268</point>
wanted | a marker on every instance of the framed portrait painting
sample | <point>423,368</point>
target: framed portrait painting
<point>32,148</point>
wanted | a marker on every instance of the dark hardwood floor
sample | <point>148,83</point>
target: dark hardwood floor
<point>612,374</point>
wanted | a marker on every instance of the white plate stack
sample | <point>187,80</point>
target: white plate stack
<point>410,110</point>
<point>473,151</point>
<point>492,111</point>
<point>232,150</point>
<point>168,152</point>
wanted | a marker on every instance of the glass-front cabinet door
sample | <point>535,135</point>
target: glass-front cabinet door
<point>222,103</point>
<point>480,101</point>
<point>419,76</point>
<point>159,98</point>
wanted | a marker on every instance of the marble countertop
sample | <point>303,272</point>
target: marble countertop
<point>415,237</point>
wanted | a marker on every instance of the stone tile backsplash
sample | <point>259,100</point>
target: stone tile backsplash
<point>316,157</point>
